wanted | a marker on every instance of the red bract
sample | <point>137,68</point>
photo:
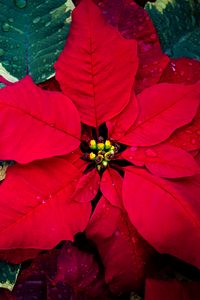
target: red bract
<point>125,254</point>
<point>37,115</point>
<point>133,22</point>
<point>93,65</point>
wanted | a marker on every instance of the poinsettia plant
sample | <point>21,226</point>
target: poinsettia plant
<point>113,152</point>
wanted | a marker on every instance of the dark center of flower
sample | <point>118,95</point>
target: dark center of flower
<point>101,152</point>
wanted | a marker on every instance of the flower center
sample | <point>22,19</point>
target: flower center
<point>101,152</point>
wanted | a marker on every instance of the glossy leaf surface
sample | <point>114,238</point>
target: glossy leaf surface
<point>32,36</point>
<point>178,26</point>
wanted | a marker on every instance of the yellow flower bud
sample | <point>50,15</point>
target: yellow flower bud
<point>104,163</point>
<point>100,146</point>
<point>107,144</point>
<point>93,144</point>
<point>92,155</point>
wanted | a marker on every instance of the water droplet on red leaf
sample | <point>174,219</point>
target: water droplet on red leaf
<point>133,148</point>
<point>193,141</point>
<point>151,153</point>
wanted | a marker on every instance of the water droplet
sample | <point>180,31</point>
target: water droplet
<point>173,67</point>
<point>193,141</point>
<point>133,148</point>
<point>113,184</point>
<point>36,20</point>
<point>147,47</point>
<point>151,153</point>
<point>15,58</point>
<point>38,197</point>
<point>5,27</point>
<point>47,24</point>
<point>5,63</point>
<point>21,3</point>
<point>153,36</point>
<point>1,52</point>
<point>188,131</point>
<point>117,233</point>
<point>43,201</point>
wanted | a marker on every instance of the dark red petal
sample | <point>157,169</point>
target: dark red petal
<point>111,187</point>
<point>125,254</point>
<point>87,187</point>
<point>171,290</point>
<point>79,270</point>
<point>118,125</point>
<point>134,23</point>
<point>182,70</point>
<point>35,210</point>
<point>97,66</point>
<point>166,213</point>
<point>164,108</point>
<point>36,124</point>
<point>163,160</point>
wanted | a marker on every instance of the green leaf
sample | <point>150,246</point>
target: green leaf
<point>8,275</point>
<point>178,25</point>
<point>32,35</point>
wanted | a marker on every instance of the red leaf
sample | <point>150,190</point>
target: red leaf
<point>35,210</point>
<point>104,220</point>
<point>164,108</point>
<point>134,23</point>
<point>81,272</point>
<point>87,187</point>
<point>163,160</point>
<point>36,124</point>
<point>111,187</point>
<point>166,213</point>
<point>171,290</point>
<point>118,125</point>
<point>124,254</point>
<point>88,68</point>
<point>182,70</point>
<point>187,137</point>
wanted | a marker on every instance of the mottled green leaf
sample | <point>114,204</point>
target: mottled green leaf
<point>178,25</point>
<point>32,35</point>
<point>8,275</point>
